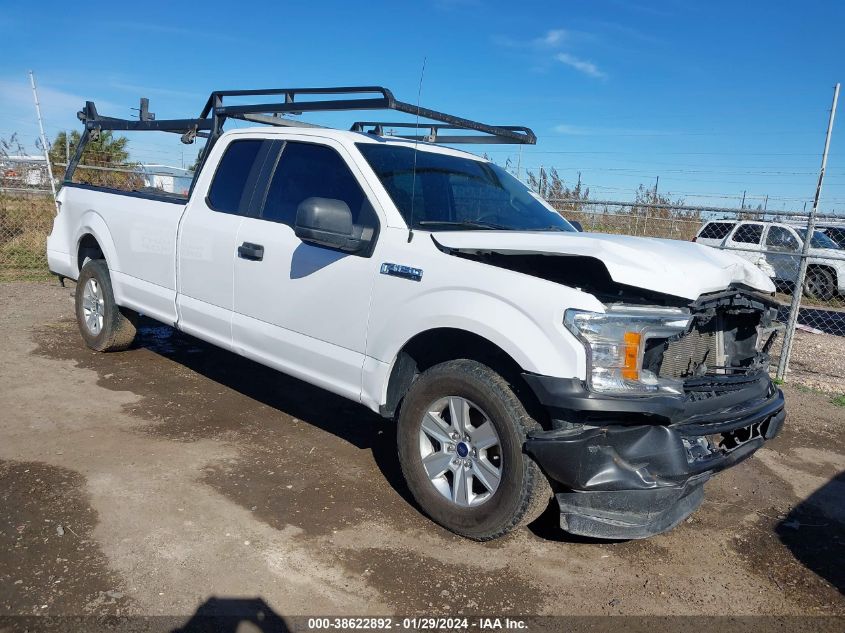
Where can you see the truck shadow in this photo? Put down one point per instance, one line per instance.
(321, 409)
(814, 531)
(230, 615)
(343, 418)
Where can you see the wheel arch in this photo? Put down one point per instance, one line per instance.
(94, 239)
(441, 344)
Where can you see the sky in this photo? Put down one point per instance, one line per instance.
(714, 98)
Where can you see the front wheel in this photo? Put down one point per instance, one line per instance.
(460, 433)
(105, 326)
(820, 284)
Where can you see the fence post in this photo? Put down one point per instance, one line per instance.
(797, 290)
(43, 139)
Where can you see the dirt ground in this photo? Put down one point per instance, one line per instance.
(149, 481)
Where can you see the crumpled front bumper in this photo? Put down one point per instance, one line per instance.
(633, 467)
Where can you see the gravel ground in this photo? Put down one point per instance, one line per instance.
(175, 478)
(817, 362)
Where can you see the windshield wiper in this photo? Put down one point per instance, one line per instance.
(472, 224)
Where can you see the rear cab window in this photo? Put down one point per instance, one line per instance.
(234, 180)
(716, 230)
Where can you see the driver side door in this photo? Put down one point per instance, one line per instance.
(299, 307)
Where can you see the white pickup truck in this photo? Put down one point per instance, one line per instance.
(522, 360)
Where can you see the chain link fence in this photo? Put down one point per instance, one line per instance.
(773, 242)
(26, 217)
(770, 240)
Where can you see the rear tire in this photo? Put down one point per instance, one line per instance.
(105, 326)
(478, 483)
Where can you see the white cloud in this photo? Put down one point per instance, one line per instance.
(552, 38)
(581, 65)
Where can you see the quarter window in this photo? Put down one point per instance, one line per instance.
(748, 234)
(229, 191)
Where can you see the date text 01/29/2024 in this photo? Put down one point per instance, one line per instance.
(418, 623)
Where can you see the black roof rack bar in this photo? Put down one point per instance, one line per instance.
(94, 121)
(269, 119)
(384, 101)
(381, 127)
(216, 97)
(210, 122)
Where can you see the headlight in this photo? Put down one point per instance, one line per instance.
(616, 340)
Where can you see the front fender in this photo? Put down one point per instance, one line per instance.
(538, 347)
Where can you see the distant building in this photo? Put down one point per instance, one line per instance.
(24, 171)
(170, 179)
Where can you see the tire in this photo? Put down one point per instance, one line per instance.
(105, 326)
(522, 491)
(820, 284)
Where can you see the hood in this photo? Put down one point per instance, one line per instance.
(672, 267)
(827, 253)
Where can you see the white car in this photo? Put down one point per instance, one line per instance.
(521, 360)
(776, 247)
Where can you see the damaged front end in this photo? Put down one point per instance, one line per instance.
(671, 397)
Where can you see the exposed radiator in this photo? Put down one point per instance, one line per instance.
(683, 356)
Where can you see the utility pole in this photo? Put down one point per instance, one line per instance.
(656, 182)
(43, 139)
(742, 205)
(789, 336)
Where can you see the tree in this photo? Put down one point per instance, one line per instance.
(107, 159)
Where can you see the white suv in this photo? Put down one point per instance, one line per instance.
(775, 248)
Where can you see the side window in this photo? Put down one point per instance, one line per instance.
(229, 192)
(308, 170)
(748, 234)
(780, 237)
(716, 230)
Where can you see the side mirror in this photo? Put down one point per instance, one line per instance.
(577, 225)
(328, 222)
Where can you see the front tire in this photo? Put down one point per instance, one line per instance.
(105, 326)
(820, 284)
(460, 434)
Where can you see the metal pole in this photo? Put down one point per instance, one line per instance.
(43, 139)
(795, 306)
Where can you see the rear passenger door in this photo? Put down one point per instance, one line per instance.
(299, 307)
(208, 238)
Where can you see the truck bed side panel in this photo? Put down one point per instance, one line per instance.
(137, 234)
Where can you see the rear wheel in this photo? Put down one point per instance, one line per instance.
(460, 433)
(105, 326)
(820, 284)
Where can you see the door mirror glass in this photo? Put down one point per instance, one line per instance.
(328, 222)
(577, 225)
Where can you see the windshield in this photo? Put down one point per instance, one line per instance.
(820, 240)
(450, 192)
